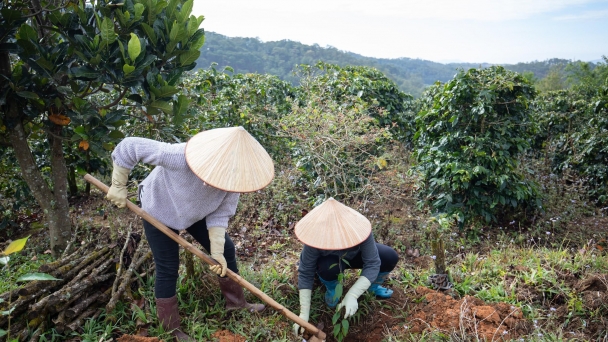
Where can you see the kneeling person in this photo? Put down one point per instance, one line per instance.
(336, 238)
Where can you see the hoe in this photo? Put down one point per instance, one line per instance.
(317, 334)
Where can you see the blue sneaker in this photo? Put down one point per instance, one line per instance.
(330, 294)
(377, 288)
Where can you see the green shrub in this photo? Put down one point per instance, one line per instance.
(573, 133)
(337, 149)
(389, 106)
(469, 134)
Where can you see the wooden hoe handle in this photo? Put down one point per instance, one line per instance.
(237, 278)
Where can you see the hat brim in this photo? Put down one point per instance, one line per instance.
(230, 159)
(333, 226)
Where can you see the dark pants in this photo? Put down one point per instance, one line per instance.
(388, 261)
(166, 255)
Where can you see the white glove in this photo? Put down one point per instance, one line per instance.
(305, 296)
(217, 237)
(349, 303)
(117, 194)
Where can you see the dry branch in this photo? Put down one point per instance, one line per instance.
(65, 273)
(67, 290)
(73, 326)
(126, 280)
(36, 336)
(20, 305)
(62, 261)
(70, 290)
(60, 322)
(81, 306)
(120, 262)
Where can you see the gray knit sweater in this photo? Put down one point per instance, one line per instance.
(310, 255)
(172, 193)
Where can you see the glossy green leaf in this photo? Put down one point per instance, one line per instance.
(28, 95)
(199, 42)
(162, 105)
(189, 57)
(46, 64)
(139, 10)
(134, 47)
(36, 276)
(116, 134)
(27, 32)
(182, 104)
(108, 36)
(84, 72)
(166, 91)
(171, 7)
(150, 33)
(127, 69)
(175, 31)
(185, 11)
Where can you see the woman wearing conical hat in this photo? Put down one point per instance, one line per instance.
(194, 186)
(336, 238)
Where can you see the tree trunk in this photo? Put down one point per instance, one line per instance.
(438, 249)
(53, 203)
(72, 181)
(61, 232)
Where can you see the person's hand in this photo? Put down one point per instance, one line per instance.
(117, 194)
(305, 297)
(217, 237)
(349, 303)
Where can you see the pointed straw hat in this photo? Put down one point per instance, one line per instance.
(229, 159)
(333, 226)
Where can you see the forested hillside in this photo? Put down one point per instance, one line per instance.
(279, 58)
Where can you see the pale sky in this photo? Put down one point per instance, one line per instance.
(475, 31)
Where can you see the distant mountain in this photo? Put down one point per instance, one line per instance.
(250, 55)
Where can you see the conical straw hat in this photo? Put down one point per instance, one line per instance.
(333, 226)
(229, 159)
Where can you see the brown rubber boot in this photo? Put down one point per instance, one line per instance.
(235, 297)
(168, 315)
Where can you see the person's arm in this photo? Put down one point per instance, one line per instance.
(133, 150)
(220, 216)
(306, 277)
(370, 258)
(371, 268)
(307, 267)
(217, 222)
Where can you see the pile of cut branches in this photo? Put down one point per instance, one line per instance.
(91, 278)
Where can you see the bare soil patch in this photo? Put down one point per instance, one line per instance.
(227, 336)
(131, 338)
(468, 316)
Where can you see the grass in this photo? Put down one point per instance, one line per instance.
(542, 281)
(537, 267)
(20, 264)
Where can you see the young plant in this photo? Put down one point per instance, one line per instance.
(15, 247)
(341, 329)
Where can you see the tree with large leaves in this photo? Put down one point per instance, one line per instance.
(73, 71)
